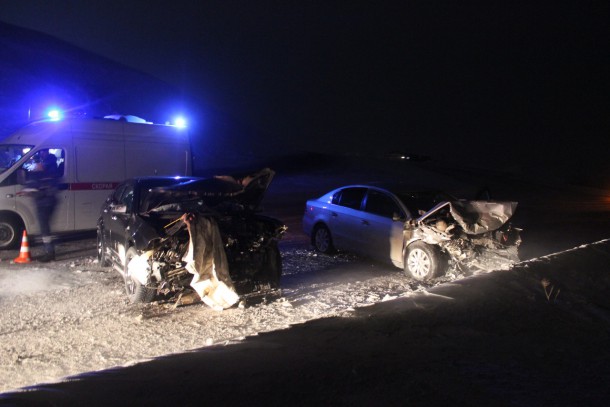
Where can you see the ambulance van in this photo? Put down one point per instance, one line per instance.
(93, 156)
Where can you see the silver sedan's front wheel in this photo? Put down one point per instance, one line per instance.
(423, 262)
(419, 263)
(322, 240)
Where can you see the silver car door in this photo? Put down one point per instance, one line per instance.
(382, 226)
(345, 216)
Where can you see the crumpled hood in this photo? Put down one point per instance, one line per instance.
(477, 217)
(246, 190)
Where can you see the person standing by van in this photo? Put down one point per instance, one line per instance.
(42, 185)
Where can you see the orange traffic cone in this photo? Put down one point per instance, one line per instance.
(24, 253)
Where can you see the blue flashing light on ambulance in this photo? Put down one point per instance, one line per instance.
(93, 155)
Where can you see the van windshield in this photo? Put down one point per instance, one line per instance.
(11, 153)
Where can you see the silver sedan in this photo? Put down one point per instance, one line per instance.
(365, 219)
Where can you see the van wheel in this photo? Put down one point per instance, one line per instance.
(136, 292)
(11, 230)
(102, 256)
(423, 262)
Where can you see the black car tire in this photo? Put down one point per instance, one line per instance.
(136, 292)
(102, 256)
(424, 262)
(272, 265)
(322, 240)
(11, 230)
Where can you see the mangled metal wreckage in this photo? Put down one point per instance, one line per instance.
(204, 235)
(465, 235)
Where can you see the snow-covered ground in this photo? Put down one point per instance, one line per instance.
(347, 329)
(71, 316)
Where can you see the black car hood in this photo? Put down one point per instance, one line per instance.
(244, 190)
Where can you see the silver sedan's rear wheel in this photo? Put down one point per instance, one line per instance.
(424, 262)
(322, 239)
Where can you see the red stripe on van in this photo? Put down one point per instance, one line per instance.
(92, 186)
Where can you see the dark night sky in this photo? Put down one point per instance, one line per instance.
(522, 82)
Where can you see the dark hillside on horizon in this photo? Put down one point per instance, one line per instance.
(37, 71)
(524, 92)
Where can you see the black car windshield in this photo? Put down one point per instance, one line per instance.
(146, 186)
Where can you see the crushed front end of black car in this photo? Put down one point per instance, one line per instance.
(206, 237)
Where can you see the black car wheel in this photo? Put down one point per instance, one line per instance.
(136, 291)
(272, 265)
(102, 256)
(322, 239)
(424, 262)
(11, 230)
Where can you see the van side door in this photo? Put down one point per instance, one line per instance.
(98, 167)
(61, 219)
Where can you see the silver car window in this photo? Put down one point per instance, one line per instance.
(382, 204)
(349, 197)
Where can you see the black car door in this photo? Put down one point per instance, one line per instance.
(118, 218)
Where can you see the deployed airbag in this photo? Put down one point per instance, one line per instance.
(207, 261)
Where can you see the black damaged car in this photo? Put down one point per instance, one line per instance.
(174, 236)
